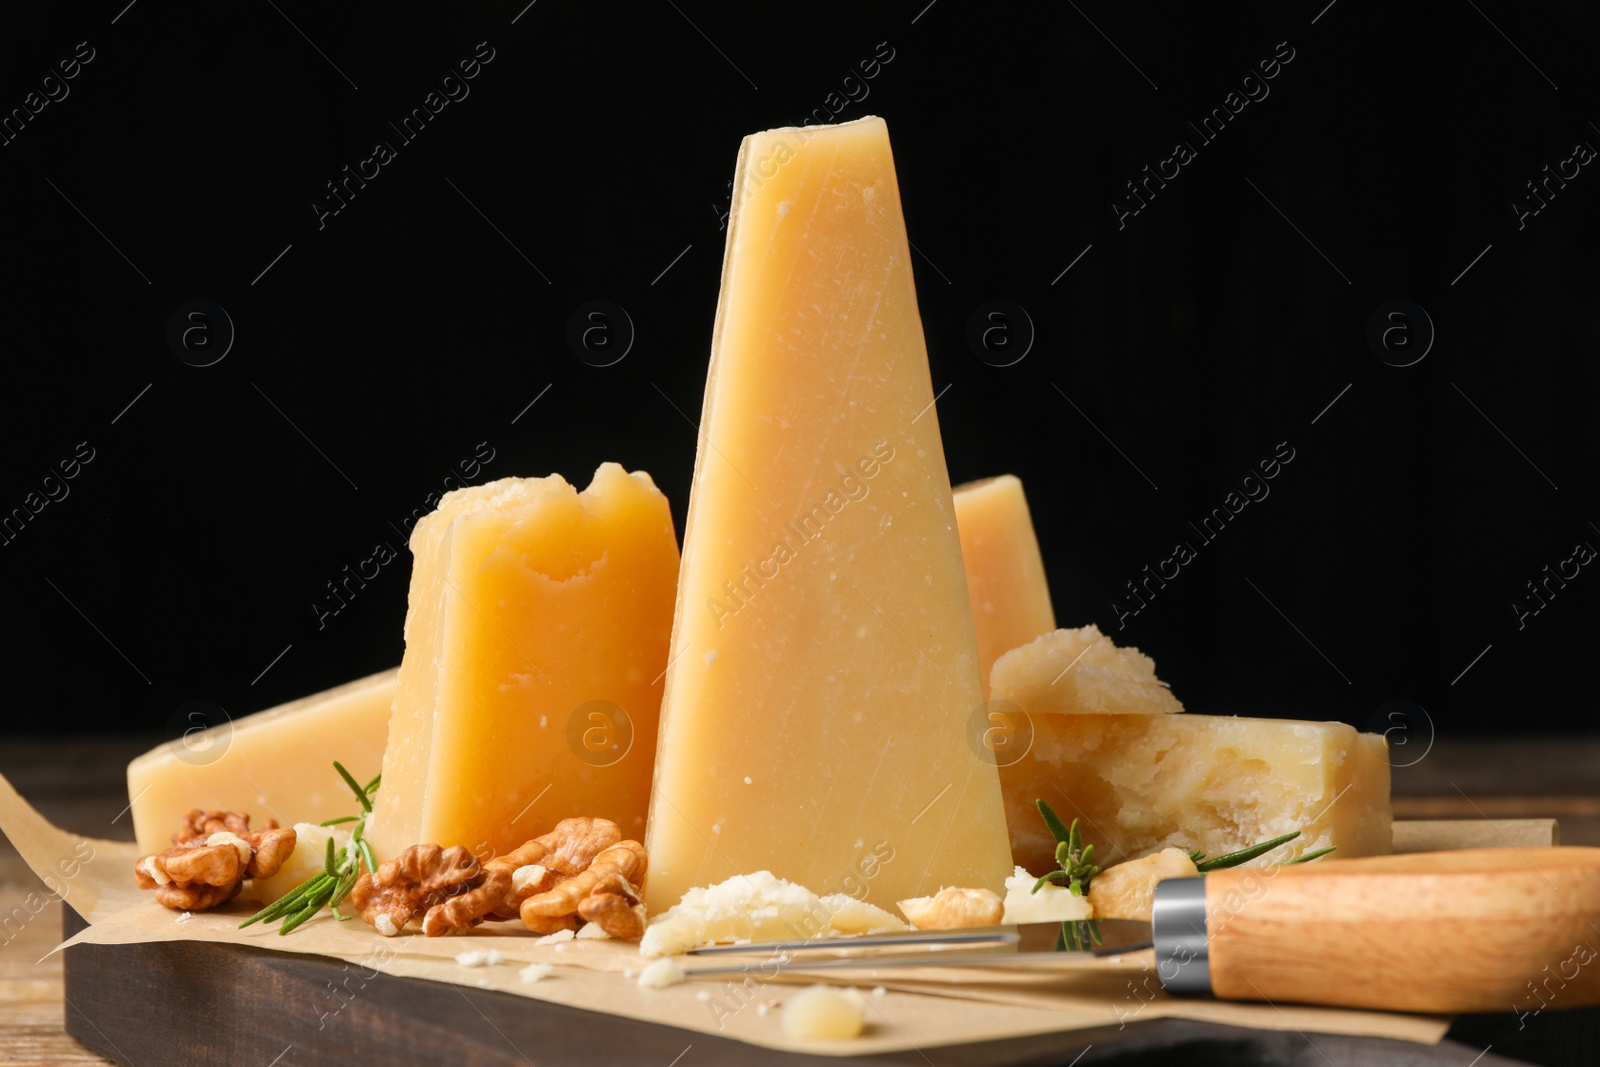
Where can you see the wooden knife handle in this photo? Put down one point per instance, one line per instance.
(1506, 929)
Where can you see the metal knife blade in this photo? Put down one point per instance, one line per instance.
(1027, 944)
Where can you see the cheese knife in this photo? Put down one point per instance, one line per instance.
(1507, 929)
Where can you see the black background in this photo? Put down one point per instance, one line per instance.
(591, 160)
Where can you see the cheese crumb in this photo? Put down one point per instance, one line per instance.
(592, 932)
(710, 657)
(533, 972)
(661, 974)
(525, 876)
(702, 996)
(747, 779)
(822, 1012)
(185, 917)
(879, 991)
(555, 938)
(479, 958)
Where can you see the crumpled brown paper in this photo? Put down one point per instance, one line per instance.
(919, 1008)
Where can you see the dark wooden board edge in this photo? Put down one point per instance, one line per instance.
(196, 1003)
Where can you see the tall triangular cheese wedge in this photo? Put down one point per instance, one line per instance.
(823, 676)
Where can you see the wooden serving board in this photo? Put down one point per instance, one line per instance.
(197, 1003)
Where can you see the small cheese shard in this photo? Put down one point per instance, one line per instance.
(954, 907)
(1216, 783)
(275, 764)
(1128, 890)
(823, 1013)
(537, 614)
(1005, 572)
(1052, 903)
(1080, 672)
(661, 974)
(823, 647)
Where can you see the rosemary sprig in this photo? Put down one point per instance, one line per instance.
(1245, 855)
(340, 868)
(1307, 857)
(1071, 853)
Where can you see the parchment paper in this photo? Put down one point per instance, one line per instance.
(919, 1008)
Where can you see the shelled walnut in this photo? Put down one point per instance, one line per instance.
(582, 871)
(214, 852)
(447, 888)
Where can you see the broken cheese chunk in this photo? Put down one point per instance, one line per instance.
(535, 643)
(759, 907)
(1052, 903)
(274, 764)
(1005, 572)
(824, 669)
(1080, 672)
(1128, 890)
(1216, 783)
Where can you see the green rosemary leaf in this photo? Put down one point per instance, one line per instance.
(340, 821)
(1244, 855)
(1057, 829)
(327, 861)
(1197, 855)
(1053, 876)
(286, 902)
(372, 786)
(355, 787)
(366, 854)
(1307, 857)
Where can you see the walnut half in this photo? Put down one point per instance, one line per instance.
(213, 854)
(447, 888)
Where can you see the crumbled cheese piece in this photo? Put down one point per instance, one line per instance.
(533, 972)
(1052, 903)
(592, 932)
(479, 958)
(759, 907)
(823, 1012)
(879, 991)
(555, 938)
(702, 996)
(225, 837)
(661, 974)
(185, 917)
(523, 877)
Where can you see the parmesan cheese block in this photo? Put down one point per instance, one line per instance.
(275, 764)
(1080, 672)
(535, 644)
(1140, 783)
(824, 669)
(1005, 573)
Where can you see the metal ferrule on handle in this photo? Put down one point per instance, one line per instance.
(1178, 926)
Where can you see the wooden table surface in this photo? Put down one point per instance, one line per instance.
(79, 785)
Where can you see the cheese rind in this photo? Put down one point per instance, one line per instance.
(537, 613)
(1140, 783)
(275, 764)
(1005, 572)
(824, 668)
